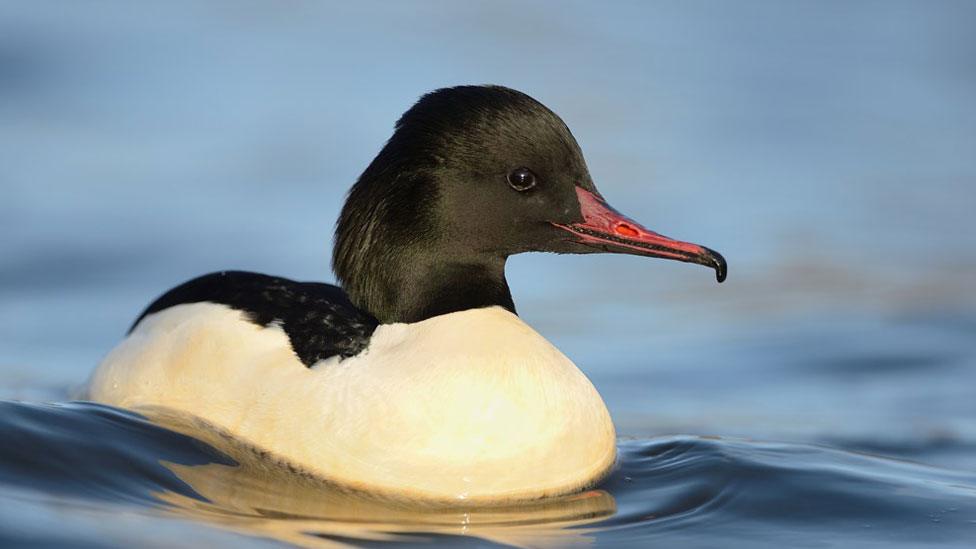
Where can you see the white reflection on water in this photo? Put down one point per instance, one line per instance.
(259, 495)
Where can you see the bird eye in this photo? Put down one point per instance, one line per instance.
(521, 179)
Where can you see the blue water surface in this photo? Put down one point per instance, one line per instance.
(823, 396)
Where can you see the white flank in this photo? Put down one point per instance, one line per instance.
(472, 406)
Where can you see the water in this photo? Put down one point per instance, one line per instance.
(821, 397)
(685, 489)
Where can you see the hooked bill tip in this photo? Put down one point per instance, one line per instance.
(719, 264)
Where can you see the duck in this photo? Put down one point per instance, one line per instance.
(414, 377)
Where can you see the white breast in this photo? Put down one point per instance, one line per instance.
(473, 405)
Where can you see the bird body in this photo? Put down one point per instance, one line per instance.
(416, 378)
(469, 406)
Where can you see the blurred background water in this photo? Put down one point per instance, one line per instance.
(827, 149)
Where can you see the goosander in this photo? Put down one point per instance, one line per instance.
(415, 377)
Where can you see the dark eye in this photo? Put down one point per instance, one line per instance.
(521, 179)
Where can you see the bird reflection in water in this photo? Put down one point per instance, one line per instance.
(261, 495)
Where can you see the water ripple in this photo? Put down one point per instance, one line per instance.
(87, 459)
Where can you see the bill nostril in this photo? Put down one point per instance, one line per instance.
(624, 229)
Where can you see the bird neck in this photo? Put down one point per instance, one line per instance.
(420, 289)
(447, 287)
(392, 274)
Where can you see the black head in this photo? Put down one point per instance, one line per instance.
(472, 175)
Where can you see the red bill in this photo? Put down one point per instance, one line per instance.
(607, 229)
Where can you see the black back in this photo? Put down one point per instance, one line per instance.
(319, 319)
